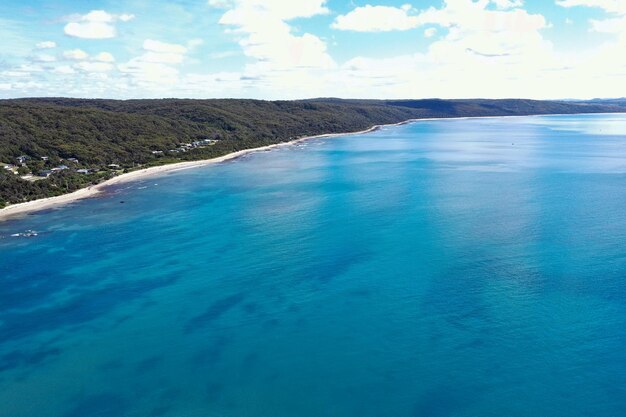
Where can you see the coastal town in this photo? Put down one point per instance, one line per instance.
(32, 168)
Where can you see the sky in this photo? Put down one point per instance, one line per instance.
(290, 49)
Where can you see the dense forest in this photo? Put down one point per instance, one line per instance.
(53, 146)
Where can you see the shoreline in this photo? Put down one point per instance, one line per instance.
(15, 211)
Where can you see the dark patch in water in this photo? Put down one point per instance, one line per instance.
(211, 354)
(111, 365)
(360, 293)
(473, 344)
(214, 390)
(169, 395)
(443, 401)
(42, 212)
(78, 310)
(250, 308)
(20, 358)
(333, 266)
(214, 312)
(160, 411)
(271, 323)
(249, 361)
(148, 365)
(123, 319)
(101, 405)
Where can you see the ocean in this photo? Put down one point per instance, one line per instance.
(441, 268)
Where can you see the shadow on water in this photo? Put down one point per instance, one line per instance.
(445, 401)
(27, 359)
(100, 405)
(214, 312)
(89, 305)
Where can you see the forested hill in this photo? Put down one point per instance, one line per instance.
(55, 145)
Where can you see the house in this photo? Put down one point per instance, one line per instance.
(10, 167)
(157, 152)
(46, 173)
(83, 171)
(114, 166)
(60, 168)
(74, 160)
(44, 158)
(22, 159)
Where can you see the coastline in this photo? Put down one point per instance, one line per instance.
(21, 209)
(15, 211)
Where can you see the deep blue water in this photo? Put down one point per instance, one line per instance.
(469, 268)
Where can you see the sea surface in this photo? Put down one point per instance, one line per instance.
(466, 268)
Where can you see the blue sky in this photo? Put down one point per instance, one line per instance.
(285, 49)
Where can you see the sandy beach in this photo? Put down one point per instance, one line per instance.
(21, 209)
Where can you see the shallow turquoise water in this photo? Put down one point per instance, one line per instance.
(443, 268)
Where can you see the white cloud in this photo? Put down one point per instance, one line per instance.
(163, 58)
(224, 54)
(491, 48)
(430, 32)
(281, 9)
(220, 4)
(611, 6)
(162, 47)
(94, 66)
(267, 37)
(377, 19)
(456, 12)
(615, 25)
(508, 4)
(90, 30)
(64, 69)
(149, 74)
(75, 54)
(96, 24)
(104, 57)
(194, 43)
(43, 58)
(46, 45)
(156, 67)
(485, 52)
(102, 62)
(161, 52)
(13, 74)
(284, 62)
(468, 15)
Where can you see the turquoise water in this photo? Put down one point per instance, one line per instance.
(443, 268)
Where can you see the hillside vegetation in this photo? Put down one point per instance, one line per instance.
(66, 144)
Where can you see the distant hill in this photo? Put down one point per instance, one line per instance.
(610, 101)
(70, 143)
